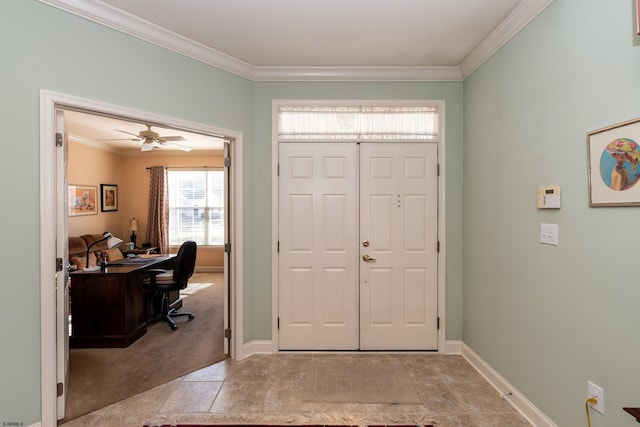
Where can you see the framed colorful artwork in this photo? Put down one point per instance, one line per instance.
(109, 197)
(82, 200)
(613, 154)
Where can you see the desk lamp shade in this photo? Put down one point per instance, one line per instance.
(112, 242)
(133, 226)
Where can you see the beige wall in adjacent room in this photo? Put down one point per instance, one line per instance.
(92, 166)
(89, 166)
(135, 199)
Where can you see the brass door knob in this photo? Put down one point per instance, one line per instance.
(368, 258)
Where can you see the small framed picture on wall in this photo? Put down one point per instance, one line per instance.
(613, 169)
(82, 200)
(109, 197)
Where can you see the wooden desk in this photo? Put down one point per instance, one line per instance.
(107, 307)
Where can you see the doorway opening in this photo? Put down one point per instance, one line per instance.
(53, 179)
(359, 225)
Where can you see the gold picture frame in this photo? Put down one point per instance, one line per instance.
(82, 200)
(613, 155)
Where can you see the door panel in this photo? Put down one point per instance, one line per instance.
(62, 277)
(318, 226)
(334, 197)
(398, 217)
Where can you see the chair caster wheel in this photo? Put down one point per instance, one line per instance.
(191, 317)
(174, 327)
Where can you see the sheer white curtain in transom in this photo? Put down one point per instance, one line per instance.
(357, 123)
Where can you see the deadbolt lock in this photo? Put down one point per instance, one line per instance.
(365, 243)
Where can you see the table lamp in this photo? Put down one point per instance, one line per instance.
(112, 242)
(133, 226)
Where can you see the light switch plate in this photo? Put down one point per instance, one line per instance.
(549, 234)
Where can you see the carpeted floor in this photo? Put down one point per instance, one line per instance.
(100, 377)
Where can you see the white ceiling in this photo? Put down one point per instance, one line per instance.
(330, 32)
(322, 39)
(276, 40)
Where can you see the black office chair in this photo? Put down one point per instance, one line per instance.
(159, 282)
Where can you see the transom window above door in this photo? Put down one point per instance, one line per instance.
(357, 123)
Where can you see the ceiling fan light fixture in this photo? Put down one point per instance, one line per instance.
(148, 134)
(150, 137)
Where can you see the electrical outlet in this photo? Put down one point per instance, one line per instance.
(597, 393)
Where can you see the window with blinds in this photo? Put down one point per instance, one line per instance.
(357, 123)
(196, 206)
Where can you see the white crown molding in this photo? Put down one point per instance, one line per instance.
(92, 143)
(357, 74)
(509, 27)
(111, 17)
(104, 14)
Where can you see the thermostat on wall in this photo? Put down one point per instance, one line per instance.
(548, 198)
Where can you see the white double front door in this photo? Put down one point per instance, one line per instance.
(357, 246)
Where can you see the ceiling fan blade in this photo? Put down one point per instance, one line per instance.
(129, 133)
(172, 138)
(174, 145)
(119, 139)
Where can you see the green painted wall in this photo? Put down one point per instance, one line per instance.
(45, 48)
(550, 318)
(265, 93)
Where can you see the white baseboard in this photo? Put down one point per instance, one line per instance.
(453, 347)
(209, 270)
(256, 347)
(266, 347)
(516, 399)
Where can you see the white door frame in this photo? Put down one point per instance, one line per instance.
(49, 101)
(440, 104)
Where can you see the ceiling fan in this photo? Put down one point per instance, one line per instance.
(150, 137)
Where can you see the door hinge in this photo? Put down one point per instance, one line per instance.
(438, 323)
(227, 333)
(59, 139)
(438, 169)
(438, 246)
(278, 169)
(59, 389)
(58, 264)
(278, 246)
(227, 248)
(278, 327)
(227, 162)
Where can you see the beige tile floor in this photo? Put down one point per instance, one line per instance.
(267, 389)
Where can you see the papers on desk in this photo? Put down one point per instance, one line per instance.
(128, 261)
(138, 259)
